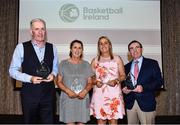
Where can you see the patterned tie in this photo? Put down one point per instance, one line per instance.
(136, 70)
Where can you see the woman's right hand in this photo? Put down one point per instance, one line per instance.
(71, 94)
(99, 84)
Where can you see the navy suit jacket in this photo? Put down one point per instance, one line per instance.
(151, 80)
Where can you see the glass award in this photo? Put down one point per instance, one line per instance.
(76, 86)
(43, 70)
(128, 82)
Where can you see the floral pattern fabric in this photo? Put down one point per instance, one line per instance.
(107, 102)
(106, 71)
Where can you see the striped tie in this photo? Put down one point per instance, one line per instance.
(136, 70)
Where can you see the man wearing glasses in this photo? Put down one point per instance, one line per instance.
(145, 78)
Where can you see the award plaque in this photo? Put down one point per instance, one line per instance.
(128, 82)
(43, 70)
(76, 86)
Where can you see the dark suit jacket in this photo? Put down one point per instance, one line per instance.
(151, 79)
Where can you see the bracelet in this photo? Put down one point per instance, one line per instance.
(117, 81)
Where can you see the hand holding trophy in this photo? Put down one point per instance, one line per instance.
(43, 71)
(128, 81)
(76, 86)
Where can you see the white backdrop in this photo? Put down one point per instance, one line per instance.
(121, 20)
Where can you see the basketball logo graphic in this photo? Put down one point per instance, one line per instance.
(69, 13)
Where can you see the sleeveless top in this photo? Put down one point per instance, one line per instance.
(107, 102)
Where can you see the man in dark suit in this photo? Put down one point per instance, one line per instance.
(146, 78)
(35, 63)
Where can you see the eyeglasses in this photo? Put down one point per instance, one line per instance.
(134, 48)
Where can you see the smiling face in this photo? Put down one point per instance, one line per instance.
(76, 50)
(135, 49)
(104, 46)
(38, 31)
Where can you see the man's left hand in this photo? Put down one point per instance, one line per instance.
(49, 78)
(138, 89)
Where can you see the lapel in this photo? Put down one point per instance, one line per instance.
(142, 70)
(128, 68)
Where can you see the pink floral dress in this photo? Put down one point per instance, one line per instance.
(107, 102)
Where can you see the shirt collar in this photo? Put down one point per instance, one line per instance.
(139, 59)
(35, 44)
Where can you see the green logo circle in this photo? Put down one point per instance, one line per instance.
(69, 13)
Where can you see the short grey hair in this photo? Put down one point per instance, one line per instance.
(37, 20)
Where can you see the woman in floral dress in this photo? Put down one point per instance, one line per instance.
(107, 100)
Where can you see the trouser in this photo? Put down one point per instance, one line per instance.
(136, 115)
(38, 103)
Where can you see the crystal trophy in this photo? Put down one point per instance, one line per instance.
(43, 70)
(128, 81)
(76, 86)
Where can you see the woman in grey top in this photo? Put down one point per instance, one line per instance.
(74, 79)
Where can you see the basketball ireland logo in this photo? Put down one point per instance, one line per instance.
(69, 13)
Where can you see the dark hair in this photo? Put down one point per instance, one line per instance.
(134, 41)
(110, 49)
(71, 45)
